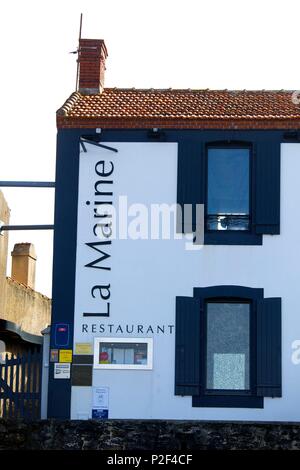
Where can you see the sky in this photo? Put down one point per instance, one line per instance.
(214, 44)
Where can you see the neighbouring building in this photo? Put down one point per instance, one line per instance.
(24, 313)
(194, 323)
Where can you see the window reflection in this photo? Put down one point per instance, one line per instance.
(228, 184)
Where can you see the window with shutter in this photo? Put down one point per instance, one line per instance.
(228, 347)
(238, 183)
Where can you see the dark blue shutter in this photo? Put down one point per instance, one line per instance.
(267, 188)
(187, 353)
(269, 347)
(190, 179)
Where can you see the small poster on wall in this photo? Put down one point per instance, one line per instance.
(100, 397)
(100, 402)
(65, 355)
(62, 371)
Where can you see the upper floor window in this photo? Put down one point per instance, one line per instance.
(228, 188)
(237, 180)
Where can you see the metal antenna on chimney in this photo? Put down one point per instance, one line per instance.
(78, 52)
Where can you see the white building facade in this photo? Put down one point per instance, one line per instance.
(150, 321)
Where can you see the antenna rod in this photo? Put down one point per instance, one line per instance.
(77, 71)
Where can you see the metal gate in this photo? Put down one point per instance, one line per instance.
(20, 386)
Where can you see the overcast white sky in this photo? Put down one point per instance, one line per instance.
(233, 44)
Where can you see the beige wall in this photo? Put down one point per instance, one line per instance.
(26, 307)
(4, 217)
(18, 303)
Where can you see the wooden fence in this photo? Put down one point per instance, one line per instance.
(20, 386)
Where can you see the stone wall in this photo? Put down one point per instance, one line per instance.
(26, 307)
(147, 435)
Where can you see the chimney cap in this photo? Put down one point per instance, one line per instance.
(24, 249)
(90, 44)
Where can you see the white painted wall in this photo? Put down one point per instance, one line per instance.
(147, 275)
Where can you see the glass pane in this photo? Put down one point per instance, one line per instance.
(228, 346)
(228, 181)
(123, 353)
(228, 222)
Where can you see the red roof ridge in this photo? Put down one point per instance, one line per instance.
(195, 90)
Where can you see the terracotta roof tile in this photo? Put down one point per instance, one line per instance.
(169, 104)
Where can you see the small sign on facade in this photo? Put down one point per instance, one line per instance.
(62, 371)
(98, 413)
(62, 334)
(54, 355)
(65, 355)
(83, 348)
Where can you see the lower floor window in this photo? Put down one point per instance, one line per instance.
(227, 346)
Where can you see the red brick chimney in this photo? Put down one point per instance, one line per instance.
(91, 57)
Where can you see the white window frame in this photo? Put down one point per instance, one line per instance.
(148, 341)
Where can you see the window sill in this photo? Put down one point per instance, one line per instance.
(232, 238)
(223, 401)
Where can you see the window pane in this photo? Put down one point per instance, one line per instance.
(123, 353)
(228, 346)
(228, 189)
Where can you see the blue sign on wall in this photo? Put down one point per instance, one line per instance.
(99, 413)
(62, 334)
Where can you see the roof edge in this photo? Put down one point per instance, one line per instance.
(6, 325)
(27, 288)
(67, 122)
(73, 98)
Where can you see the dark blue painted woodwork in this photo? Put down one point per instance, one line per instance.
(267, 188)
(65, 234)
(187, 352)
(269, 347)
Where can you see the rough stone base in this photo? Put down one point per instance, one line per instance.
(146, 435)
